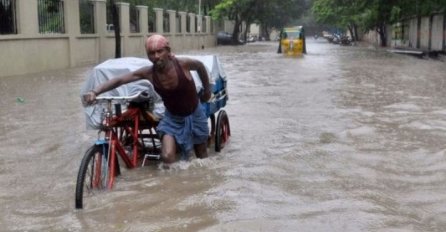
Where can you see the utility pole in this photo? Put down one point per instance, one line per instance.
(418, 42)
(117, 29)
(199, 23)
(199, 16)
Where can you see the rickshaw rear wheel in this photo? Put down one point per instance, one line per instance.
(223, 131)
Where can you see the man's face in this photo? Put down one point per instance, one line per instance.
(158, 57)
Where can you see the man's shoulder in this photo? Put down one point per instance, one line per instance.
(144, 72)
(184, 62)
(184, 59)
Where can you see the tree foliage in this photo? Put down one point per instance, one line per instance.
(277, 14)
(268, 13)
(237, 10)
(372, 14)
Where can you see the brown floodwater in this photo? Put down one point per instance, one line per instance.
(342, 139)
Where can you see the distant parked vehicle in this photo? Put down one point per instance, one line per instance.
(224, 38)
(251, 38)
(345, 40)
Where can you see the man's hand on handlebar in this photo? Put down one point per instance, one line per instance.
(205, 95)
(89, 98)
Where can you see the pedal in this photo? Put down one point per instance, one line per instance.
(150, 156)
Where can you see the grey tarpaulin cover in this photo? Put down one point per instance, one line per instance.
(116, 67)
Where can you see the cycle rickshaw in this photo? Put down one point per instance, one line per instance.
(126, 120)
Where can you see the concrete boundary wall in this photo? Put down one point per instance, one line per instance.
(424, 33)
(438, 33)
(28, 51)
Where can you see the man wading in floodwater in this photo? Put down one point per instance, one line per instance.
(185, 122)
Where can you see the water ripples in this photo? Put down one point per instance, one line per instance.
(342, 139)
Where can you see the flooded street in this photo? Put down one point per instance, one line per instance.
(343, 139)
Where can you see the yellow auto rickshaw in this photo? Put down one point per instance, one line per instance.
(292, 41)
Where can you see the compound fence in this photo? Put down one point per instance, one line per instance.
(86, 15)
(51, 16)
(8, 22)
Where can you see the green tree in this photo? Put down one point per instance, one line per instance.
(379, 14)
(268, 13)
(232, 10)
(278, 14)
(340, 13)
(373, 14)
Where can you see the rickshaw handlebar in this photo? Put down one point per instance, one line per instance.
(140, 96)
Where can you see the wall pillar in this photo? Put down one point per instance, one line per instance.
(143, 19)
(124, 17)
(159, 20)
(100, 16)
(183, 21)
(172, 21)
(192, 23)
(208, 24)
(27, 17)
(71, 12)
(200, 23)
(100, 27)
(72, 27)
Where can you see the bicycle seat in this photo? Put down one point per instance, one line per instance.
(143, 96)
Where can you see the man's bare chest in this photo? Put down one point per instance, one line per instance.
(171, 79)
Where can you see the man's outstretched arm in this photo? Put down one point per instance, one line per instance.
(204, 77)
(90, 96)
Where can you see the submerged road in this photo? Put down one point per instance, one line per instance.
(343, 139)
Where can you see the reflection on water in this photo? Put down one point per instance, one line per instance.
(342, 139)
